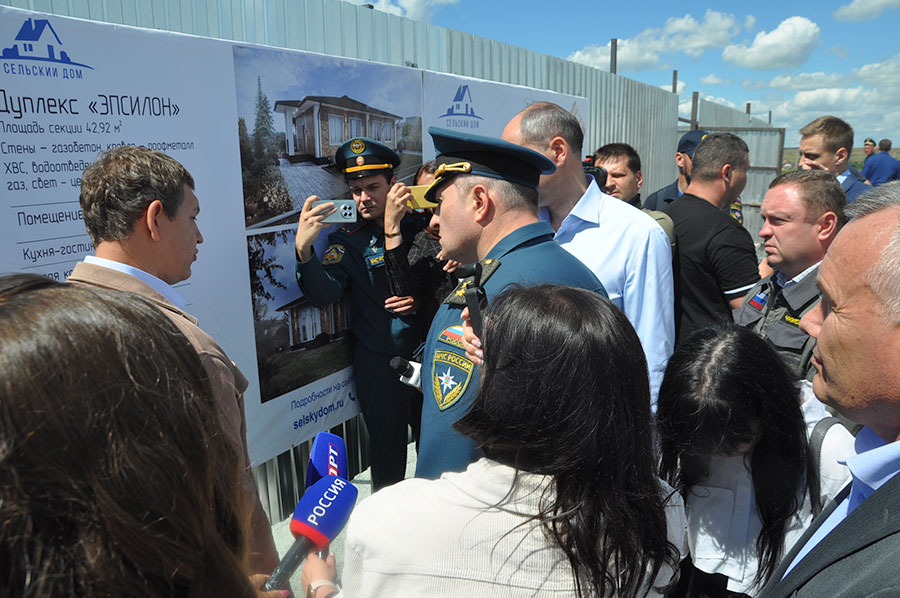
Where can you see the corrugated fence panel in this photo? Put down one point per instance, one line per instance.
(621, 110)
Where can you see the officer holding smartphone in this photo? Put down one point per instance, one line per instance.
(384, 326)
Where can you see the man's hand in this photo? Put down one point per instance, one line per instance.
(400, 305)
(471, 342)
(396, 207)
(450, 265)
(310, 225)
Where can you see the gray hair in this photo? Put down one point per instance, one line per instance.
(884, 277)
(542, 121)
(514, 196)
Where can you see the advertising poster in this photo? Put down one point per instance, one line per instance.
(483, 107)
(257, 128)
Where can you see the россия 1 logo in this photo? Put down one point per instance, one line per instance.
(38, 42)
(461, 112)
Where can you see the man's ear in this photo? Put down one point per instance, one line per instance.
(726, 173)
(827, 226)
(559, 150)
(482, 204)
(679, 159)
(841, 155)
(639, 179)
(151, 219)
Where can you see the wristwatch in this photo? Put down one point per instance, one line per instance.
(315, 585)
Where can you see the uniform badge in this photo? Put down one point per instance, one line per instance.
(452, 336)
(792, 320)
(333, 255)
(357, 146)
(360, 160)
(450, 375)
(759, 300)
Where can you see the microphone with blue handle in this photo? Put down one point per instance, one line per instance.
(320, 515)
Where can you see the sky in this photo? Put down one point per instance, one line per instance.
(798, 59)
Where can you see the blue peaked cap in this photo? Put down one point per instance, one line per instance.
(465, 153)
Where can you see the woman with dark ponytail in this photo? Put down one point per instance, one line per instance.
(566, 500)
(733, 428)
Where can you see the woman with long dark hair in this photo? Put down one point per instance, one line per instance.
(733, 428)
(566, 500)
(111, 477)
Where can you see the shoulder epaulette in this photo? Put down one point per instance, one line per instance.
(458, 295)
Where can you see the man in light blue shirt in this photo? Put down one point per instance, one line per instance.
(851, 548)
(625, 248)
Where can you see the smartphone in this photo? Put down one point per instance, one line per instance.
(344, 213)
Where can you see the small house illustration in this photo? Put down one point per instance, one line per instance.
(310, 326)
(462, 104)
(37, 41)
(316, 126)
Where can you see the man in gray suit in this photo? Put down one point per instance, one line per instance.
(852, 547)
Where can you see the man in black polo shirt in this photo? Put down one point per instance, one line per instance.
(715, 262)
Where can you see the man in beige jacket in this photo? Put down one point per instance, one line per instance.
(140, 211)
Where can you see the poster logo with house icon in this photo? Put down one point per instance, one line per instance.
(37, 40)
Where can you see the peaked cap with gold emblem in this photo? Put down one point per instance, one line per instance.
(361, 157)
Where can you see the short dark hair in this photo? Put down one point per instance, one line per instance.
(542, 121)
(614, 151)
(428, 167)
(711, 395)
(717, 150)
(113, 480)
(836, 134)
(118, 187)
(819, 191)
(590, 432)
(884, 145)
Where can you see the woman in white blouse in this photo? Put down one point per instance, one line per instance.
(566, 501)
(733, 428)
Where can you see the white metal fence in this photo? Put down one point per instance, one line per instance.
(621, 110)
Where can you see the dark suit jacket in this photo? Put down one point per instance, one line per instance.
(860, 557)
(853, 187)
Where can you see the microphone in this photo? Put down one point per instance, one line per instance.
(410, 371)
(320, 515)
(328, 456)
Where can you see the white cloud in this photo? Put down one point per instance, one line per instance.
(749, 22)
(418, 10)
(679, 87)
(864, 10)
(884, 75)
(678, 35)
(713, 79)
(788, 45)
(804, 81)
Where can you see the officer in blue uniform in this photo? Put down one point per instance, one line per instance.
(354, 263)
(487, 191)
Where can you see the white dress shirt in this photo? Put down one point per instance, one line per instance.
(158, 285)
(631, 255)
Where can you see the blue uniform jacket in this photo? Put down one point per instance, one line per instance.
(450, 381)
(354, 261)
(881, 168)
(853, 187)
